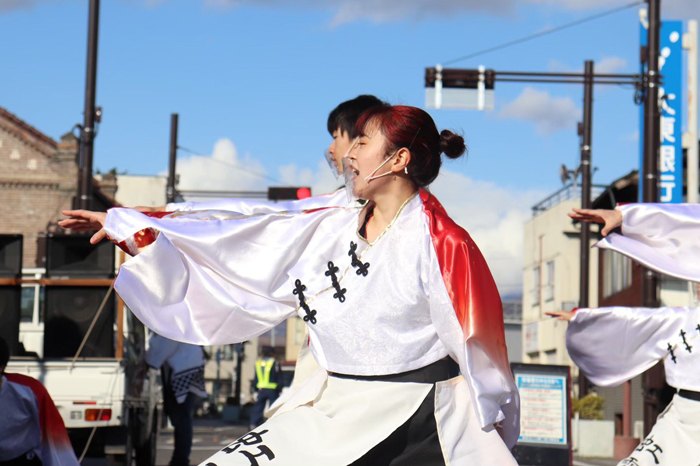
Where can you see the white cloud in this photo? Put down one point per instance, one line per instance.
(550, 114)
(556, 66)
(495, 217)
(610, 65)
(222, 170)
(321, 180)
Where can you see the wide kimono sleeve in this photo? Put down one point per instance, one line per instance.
(614, 344)
(662, 237)
(466, 309)
(214, 278)
(260, 206)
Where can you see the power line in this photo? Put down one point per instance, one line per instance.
(544, 33)
(238, 167)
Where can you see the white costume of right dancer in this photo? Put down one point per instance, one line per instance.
(613, 345)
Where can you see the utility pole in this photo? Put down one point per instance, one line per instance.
(172, 159)
(586, 136)
(87, 135)
(652, 380)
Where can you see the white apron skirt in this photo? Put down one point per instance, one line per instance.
(334, 421)
(674, 440)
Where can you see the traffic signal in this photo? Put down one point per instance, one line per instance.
(287, 193)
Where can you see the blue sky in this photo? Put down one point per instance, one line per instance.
(266, 77)
(263, 75)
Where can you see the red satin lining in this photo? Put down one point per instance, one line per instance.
(468, 280)
(142, 238)
(156, 214)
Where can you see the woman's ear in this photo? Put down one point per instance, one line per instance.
(401, 161)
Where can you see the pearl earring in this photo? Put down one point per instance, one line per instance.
(405, 170)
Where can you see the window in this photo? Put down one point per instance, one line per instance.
(27, 303)
(536, 286)
(548, 289)
(617, 273)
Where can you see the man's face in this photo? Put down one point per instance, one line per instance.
(339, 147)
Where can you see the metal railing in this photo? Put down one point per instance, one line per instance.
(567, 193)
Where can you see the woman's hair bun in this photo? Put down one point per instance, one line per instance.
(451, 144)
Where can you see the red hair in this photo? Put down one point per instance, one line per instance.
(414, 129)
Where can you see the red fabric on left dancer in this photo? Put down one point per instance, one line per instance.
(56, 449)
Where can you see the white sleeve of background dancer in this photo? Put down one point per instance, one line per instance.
(663, 237)
(219, 280)
(262, 206)
(614, 344)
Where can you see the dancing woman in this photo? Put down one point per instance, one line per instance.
(397, 299)
(612, 345)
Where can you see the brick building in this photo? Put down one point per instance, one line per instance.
(38, 179)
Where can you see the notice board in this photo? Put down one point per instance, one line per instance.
(545, 415)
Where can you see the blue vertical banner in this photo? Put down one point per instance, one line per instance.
(670, 94)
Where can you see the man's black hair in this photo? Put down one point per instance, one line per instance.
(345, 115)
(4, 352)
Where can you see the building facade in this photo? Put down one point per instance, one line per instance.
(551, 278)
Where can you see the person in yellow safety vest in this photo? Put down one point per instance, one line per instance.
(267, 382)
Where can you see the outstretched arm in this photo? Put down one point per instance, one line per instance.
(219, 277)
(662, 237)
(561, 315)
(85, 220)
(610, 218)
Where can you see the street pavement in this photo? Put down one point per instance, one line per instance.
(210, 436)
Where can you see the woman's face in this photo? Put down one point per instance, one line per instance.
(369, 154)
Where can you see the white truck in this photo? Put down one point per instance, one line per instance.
(110, 406)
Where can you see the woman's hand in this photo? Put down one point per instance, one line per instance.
(85, 220)
(561, 315)
(611, 218)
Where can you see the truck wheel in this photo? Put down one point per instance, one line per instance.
(146, 453)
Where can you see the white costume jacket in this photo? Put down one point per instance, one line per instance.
(613, 345)
(421, 291)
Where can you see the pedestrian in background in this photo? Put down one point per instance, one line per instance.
(267, 383)
(182, 366)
